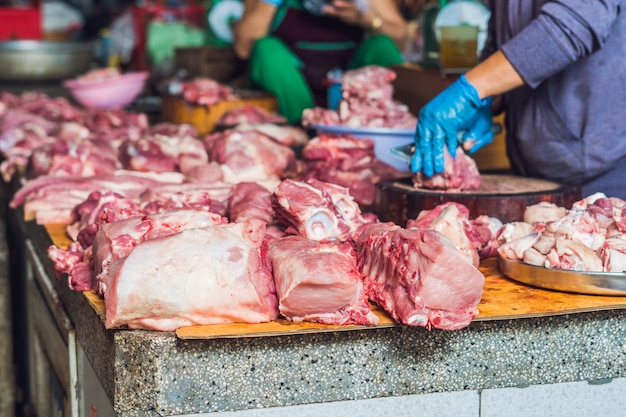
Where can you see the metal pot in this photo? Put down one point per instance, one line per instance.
(44, 60)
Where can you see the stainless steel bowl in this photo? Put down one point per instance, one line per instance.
(44, 60)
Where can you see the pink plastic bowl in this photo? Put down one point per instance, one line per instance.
(109, 93)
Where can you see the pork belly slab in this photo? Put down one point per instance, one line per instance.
(418, 276)
(319, 282)
(117, 240)
(198, 276)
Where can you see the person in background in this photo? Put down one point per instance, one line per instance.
(291, 45)
(560, 67)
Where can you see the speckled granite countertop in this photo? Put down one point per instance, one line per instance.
(151, 373)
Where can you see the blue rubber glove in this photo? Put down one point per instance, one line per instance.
(439, 123)
(479, 132)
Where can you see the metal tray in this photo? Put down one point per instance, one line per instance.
(581, 282)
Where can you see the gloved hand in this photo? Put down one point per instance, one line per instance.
(439, 122)
(479, 131)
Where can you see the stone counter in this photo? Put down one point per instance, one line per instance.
(157, 374)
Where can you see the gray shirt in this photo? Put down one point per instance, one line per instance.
(569, 122)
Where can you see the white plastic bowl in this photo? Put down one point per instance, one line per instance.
(384, 139)
(109, 93)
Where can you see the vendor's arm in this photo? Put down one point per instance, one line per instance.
(254, 24)
(563, 32)
(381, 17)
(494, 76)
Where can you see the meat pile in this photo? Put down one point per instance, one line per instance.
(367, 101)
(159, 207)
(347, 161)
(317, 264)
(591, 236)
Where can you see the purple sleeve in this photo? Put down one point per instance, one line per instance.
(563, 32)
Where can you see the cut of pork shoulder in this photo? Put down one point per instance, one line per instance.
(418, 276)
(317, 210)
(250, 156)
(250, 200)
(451, 219)
(51, 199)
(116, 240)
(160, 153)
(195, 277)
(346, 161)
(459, 174)
(81, 158)
(319, 282)
(343, 152)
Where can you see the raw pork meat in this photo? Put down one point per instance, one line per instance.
(319, 282)
(51, 199)
(81, 158)
(116, 240)
(367, 101)
(459, 174)
(475, 238)
(249, 114)
(418, 276)
(205, 92)
(588, 237)
(195, 277)
(161, 153)
(250, 156)
(318, 210)
(250, 200)
(346, 161)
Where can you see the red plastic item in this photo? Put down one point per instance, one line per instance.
(21, 23)
(145, 12)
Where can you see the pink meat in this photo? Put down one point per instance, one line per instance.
(614, 255)
(418, 276)
(250, 200)
(249, 114)
(346, 161)
(116, 240)
(319, 282)
(459, 174)
(205, 92)
(343, 152)
(195, 277)
(161, 153)
(452, 220)
(80, 158)
(317, 210)
(250, 156)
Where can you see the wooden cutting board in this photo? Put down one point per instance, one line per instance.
(502, 196)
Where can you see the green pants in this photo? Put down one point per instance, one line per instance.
(276, 69)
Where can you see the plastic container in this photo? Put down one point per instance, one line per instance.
(384, 139)
(109, 93)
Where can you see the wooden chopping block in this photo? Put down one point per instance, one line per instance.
(503, 196)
